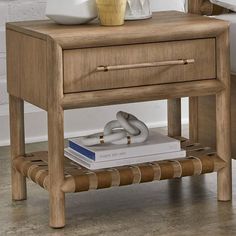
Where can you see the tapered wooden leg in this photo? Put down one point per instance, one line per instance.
(56, 167)
(193, 119)
(55, 134)
(223, 128)
(17, 146)
(174, 117)
(224, 145)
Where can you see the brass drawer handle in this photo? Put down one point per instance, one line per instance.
(145, 65)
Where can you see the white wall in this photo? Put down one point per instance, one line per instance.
(78, 122)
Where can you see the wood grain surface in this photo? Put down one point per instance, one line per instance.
(141, 94)
(17, 134)
(163, 26)
(52, 66)
(80, 65)
(55, 135)
(26, 68)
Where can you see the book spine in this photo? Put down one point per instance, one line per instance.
(137, 160)
(82, 150)
(138, 151)
(128, 152)
(121, 162)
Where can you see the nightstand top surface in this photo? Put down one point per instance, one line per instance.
(163, 26)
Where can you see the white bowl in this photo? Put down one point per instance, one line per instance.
(71, 12)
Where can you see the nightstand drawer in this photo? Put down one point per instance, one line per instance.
(137, 65)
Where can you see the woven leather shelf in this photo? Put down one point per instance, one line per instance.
(200, 160)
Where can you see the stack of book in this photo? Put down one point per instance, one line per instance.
(157, 147)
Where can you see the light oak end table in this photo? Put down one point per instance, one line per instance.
(56, 67)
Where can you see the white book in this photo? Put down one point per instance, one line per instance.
(93, 165)
(157, 143)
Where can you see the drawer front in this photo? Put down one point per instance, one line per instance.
(138, 65)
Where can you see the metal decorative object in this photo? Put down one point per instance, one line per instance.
(138, 9)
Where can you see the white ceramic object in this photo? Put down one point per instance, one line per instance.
(168, 5)
(126, 129)
(71, 12)
(138, 9)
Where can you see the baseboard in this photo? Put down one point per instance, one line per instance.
(92, 120)
(2, 64)
(43, 138)
(3, 91)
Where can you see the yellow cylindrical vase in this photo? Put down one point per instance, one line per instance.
(111, 12)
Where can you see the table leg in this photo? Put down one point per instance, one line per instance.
(55, 134)
(193, 119)
(223, 129)
(56, 167)
(224, 145)
(16, 106)
(174, 117)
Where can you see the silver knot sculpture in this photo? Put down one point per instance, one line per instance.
(126, 129)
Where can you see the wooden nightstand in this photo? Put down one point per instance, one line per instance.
(56, 67)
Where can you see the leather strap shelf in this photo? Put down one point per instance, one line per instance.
(200, 160)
